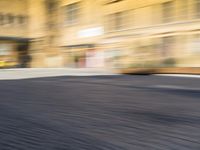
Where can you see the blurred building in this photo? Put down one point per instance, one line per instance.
(99, 33)
(13, 31)
(133, 33)
(154, 32)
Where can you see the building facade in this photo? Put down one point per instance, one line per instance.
(13, 31)
(103, 33)
(133, 33)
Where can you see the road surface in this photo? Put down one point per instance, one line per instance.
(100, 113)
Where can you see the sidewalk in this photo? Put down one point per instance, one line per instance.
(25, 73)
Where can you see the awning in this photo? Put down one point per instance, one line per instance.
(16, 39)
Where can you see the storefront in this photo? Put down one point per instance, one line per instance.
(14, 52)
(76, 55)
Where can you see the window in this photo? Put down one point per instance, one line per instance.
(1, 19)
(168, 8)
(183, 9)
(50, 6)
(197, 9)
(72, 13)
(10, 19)
(21, 19)
(117, 21)
(6, 19)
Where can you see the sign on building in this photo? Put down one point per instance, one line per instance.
(5, 49)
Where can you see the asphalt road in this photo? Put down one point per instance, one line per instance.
(100, 113)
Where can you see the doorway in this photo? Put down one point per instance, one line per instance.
(24, 57)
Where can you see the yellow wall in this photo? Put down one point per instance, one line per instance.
(16, 8)
(144, 25)
(37, 18)
(90, 17)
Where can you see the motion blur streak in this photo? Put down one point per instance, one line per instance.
(100, 113)
(66, 74)
(100, 33)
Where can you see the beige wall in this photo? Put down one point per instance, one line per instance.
(144, 21)
(15, 8)
(37, 18)
(90, 17)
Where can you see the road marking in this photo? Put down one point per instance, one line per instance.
(179, 75)
(174, 87)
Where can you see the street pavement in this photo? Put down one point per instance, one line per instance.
(100, 113)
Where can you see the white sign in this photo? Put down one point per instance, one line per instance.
(91, 32)
(5, 49)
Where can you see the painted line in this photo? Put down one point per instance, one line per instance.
(174, 87)
(179, 75)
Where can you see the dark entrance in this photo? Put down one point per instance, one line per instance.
(23, 54)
